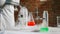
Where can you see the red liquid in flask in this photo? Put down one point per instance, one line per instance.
(31, 23)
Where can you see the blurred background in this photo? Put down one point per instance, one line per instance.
(52, 6)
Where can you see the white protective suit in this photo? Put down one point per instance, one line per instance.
(7, 17)
(2, 2)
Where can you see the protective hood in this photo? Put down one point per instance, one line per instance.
(2, 2)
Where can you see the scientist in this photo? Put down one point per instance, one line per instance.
(7, 17)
